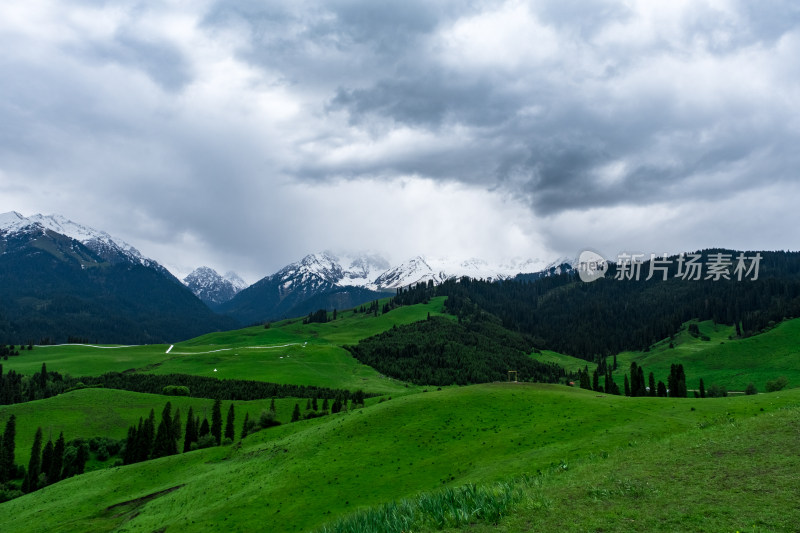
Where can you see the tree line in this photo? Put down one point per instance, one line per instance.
(17, 388)
(441, 351)
(592, 320)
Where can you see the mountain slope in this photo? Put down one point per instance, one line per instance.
(212, 288)
(54, 287)
(336, 281)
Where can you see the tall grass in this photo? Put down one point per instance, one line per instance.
(447, 508)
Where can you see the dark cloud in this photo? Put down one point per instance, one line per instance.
(215, 128)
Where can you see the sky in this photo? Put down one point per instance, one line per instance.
(245, 134)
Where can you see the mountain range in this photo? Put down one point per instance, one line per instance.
(330, 281)
(62, 279)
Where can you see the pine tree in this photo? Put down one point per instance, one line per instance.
(652, 383)
(634, 379)
(272, 405)
(216, 421)
(47, 460)
(702, 389)
(204, 429)
(43, 378)
(31, 481)
(296, 413)
(230, 432)
(308, 404)
(662, 389)
(164, 442)
(244, 426)
(325, 404)
(191, 432)
(596, 381)
(627, 386)
(314, 404)
(7, 468)
(146, 437)
(130, 455)
(681, 382)
(176, 429)
(54, 475)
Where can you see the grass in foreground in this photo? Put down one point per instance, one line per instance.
(738, 475)
(298, 476)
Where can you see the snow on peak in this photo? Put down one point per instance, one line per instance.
(235, 280)
(212, 288)
(98, 241)
(12, 221)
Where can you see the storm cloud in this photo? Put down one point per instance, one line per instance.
(243, 134)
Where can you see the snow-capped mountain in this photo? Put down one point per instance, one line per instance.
(421, 270)
(212, 288)
(62, 279)
(110, 249)
(335, 280)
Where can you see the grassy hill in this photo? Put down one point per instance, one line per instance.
(90, 413)
(288, 352)
(298, 476)
(732, 363)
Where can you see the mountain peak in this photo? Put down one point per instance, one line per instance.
(213, 289)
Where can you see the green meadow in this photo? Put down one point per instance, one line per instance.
(288, 352)
(90, 413)
(299, 476)
(722, 360)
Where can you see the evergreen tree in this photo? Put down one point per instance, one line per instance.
(308, 404)
(702, 389)
(596, 381)
(244, 426)
(230, 432)
(54, 475)
(130, 455)
(31, 481)
(165, 440)
(634, 379)
(652, 383)
(7, 467)
(358, 397)
(584, 379)
(47, 460)
(272, 405)
(146, 437)
(627, 386)
(296, 413)
(314, 404)
(43, 378)
(336, 406)
(176, 428)
(216, 421)
(191, 431)
(662, 389)
(681, 382)
(325, 404)
(641, 382)
(204, 429)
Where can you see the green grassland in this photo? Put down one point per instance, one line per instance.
(288, 352)
(297, 476)
(568, 362)
(734, 475)
(90, 413)
(732, 363)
